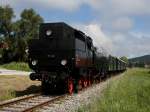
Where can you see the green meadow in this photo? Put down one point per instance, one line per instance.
(130, 93)
(16, 66)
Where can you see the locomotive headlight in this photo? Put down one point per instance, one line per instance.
(34, 62)
(63, 62)
(48, 32)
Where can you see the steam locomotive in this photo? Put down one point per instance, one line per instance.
(65, 60)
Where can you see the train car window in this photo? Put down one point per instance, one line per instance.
(81, 54)
(80, 45)
(89, 51)
(89, 43)
(80, 40)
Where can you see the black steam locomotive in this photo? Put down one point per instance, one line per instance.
(65, 60)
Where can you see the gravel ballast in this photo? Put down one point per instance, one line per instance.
(83, 98)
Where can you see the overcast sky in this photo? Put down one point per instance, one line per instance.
(122, 27)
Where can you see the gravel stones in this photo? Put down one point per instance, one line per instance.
(74, 102)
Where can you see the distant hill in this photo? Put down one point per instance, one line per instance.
(140, 61)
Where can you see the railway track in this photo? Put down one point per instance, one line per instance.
(29, 103)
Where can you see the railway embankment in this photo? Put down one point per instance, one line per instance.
(70, 103)
(82, 99)
(129, 93)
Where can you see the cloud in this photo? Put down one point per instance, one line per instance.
(69, 5)
(114, 21)
(121, 7)
(109, 8)
(130, 44)
(140, 35)
(112, 7)
(138, 7)
(96, 4)
(100, 39)
(122, 24)
(118, 19)
(117, 43)
(118, 38)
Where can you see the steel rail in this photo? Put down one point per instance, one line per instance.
(18, 100)
(9, 106)
(44, 103)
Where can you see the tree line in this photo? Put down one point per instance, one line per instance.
(16, 33)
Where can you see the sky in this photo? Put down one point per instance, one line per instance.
(120, 27)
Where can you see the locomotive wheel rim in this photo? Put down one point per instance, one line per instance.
(85, 83)
(80, 84)
(70, 86)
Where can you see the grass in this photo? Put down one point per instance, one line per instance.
(130, 93)
(16, 66)
(14, 86)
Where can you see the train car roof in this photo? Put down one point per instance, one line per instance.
(59, 23)
(66, 25)
(117, 58)
(121, 60)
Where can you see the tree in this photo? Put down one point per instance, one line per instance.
(6, 30)
(6, 16)
(25, 29)
(29, 24)
(16, 34)
(6, 25)
(20, 54)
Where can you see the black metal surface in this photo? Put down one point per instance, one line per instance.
(67, 43)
